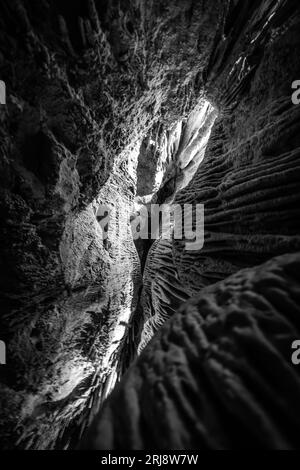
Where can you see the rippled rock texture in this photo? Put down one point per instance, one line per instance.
(85, 84)
(125, 102)
(249, 178)
(217, 375)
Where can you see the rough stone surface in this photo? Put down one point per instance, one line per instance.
(93, 91)
(218, 374)
(84, 86)
(249, 178)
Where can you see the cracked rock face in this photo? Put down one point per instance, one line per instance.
(123, 103)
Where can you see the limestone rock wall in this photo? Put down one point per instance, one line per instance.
(248, 180)
(218, 374)
(86, 85)
(86, 81)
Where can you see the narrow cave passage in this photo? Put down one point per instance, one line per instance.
(118, 341)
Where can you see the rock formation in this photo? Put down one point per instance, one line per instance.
(119, 103)
(218, 374)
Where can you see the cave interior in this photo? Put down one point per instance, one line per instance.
(121, 342)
